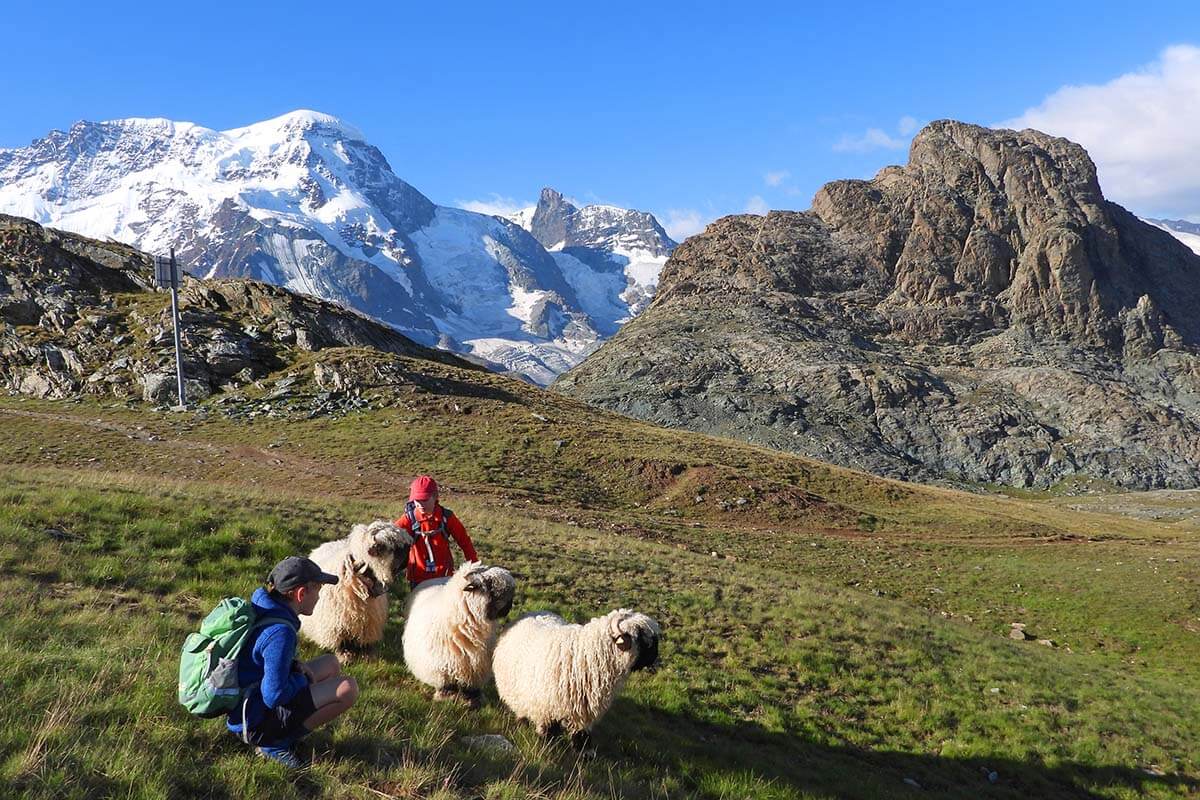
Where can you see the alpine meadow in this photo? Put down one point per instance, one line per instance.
(826, 633)
(644, 401)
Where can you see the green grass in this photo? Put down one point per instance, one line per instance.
(777, 679)
(830, 635)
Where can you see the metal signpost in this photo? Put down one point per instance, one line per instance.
(166, 275)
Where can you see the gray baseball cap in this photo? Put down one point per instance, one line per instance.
(296, 571)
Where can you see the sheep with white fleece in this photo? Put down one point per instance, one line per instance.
(451, 627)
(563, 677)
(350, 616)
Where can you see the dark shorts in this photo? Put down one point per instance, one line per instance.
(285, 721)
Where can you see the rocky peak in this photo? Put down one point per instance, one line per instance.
(998, 227)
(552, 218)
(559, 224)
(980, 313)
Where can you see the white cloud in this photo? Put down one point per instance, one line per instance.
(878, 138)
(776, 178)
(680, 223)
(757, 205)
(873, 139)
(502, 206)
(1142, 129)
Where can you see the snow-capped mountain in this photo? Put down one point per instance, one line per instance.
(612, 255)
(1184, 231)
(303, 201)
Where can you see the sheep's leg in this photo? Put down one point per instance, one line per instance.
(447, 692)
(582, 742)
(349, 651)
(550, 729)
(356, 648)
(472, 697)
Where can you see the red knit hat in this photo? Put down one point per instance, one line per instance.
(423, 487)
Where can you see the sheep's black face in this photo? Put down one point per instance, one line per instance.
(647, 650)
(498, 586)
(400, 559)
(500, 589)
(500, 605)
(386, 551)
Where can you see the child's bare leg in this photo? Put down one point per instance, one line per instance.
(333, 697)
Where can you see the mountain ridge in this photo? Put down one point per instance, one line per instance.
(981, 314)
(304, 201)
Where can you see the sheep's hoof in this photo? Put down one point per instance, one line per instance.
(581, 741)
(456, 694)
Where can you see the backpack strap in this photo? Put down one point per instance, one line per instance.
(411, 515)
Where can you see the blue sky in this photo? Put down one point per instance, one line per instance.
(690, 110)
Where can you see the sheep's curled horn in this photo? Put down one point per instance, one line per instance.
(474, 582)
(622, 639)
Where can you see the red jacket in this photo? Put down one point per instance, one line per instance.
(430, 555)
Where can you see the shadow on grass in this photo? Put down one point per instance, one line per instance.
(70, 779)
(715, 759)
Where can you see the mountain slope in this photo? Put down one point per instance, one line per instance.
(827, 633)
(303, 201)
(1184, 231)
(981, 314)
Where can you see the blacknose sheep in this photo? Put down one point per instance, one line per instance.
(563, 677)
(349, 617)
(451, 627)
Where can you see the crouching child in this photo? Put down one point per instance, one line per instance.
(287, 699)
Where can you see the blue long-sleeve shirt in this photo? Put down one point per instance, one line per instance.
(267, 660)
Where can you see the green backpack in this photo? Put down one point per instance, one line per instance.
(208, 681)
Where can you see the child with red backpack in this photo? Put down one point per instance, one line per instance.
(431, 525)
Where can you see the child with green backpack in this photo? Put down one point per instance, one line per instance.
(243, 663)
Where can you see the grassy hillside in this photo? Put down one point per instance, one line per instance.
(828, 634)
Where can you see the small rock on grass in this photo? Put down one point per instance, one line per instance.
(490, 741)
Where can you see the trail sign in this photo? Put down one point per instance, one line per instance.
(164, 272)
(166, 276)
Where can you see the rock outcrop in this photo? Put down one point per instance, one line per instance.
(79, 316)
(981, 314)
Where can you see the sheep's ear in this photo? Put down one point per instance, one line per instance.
(624, 642)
